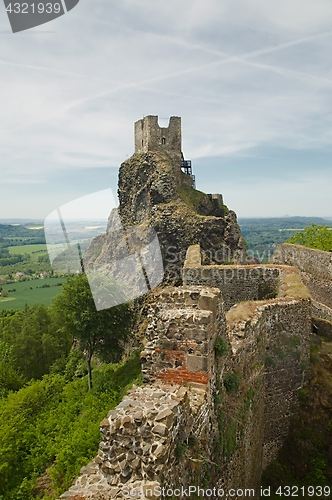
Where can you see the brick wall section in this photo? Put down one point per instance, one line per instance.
(185, 322)
(237, 283)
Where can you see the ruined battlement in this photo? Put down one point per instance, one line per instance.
(150, 137)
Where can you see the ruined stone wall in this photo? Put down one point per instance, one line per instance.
(315, 267)
(150, 137)
(279, 330)
(218, 398)
(181, 337)
(319, 310)
(270, 354)
(159, 435)
(237, 283)
(144, 441)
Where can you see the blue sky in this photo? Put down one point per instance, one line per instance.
(252, 82)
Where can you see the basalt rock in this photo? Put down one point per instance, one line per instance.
(152, 199)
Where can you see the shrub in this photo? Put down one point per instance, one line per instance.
(180, 450)
(220, 346)
(232, 382)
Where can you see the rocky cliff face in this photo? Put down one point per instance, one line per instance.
(151, 199)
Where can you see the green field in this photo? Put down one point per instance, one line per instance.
(30, 292)
(39, 249)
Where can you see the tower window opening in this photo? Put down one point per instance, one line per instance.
(163, 141)
(142, 142)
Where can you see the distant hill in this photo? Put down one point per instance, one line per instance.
(12, 234)
(283, 222)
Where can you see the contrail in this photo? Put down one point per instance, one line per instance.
(141, 84)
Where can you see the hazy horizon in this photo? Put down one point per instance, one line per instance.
(15, 220)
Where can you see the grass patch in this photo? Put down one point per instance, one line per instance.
(292, 286)
(242, 311)
(232, 382)
(180, 450)
(39, 249)
(197, 200)
(220, 346)
(39, 291)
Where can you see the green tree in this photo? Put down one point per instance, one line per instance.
(10, 379)
(3, 292)
(98, 332)
(314, 236)
(37, 340)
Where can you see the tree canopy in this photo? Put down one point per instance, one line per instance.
(36, 340)
(314, 236)
(97, 332)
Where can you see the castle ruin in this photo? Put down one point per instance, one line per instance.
(225, 354)
(150, 137)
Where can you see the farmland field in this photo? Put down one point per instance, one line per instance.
(39, 291)
(29, 249)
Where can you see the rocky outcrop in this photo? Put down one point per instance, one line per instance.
(152, 199)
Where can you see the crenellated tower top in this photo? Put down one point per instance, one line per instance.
(150, 137)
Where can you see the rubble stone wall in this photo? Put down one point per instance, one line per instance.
(218, 394)
(278, 336)
(182, 334)
(237, 283)
(315, 267)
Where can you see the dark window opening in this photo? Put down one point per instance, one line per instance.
(163, 140)
(142, 142)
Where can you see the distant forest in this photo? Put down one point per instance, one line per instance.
(263, 235)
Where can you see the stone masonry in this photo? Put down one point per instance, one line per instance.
(237, 282)
(218, 390)
(150, 137)
(181, 337)
(315, 268)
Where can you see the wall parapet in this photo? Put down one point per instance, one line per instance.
(317, 262)
(237, 282)
(141, 442)
(315, 268)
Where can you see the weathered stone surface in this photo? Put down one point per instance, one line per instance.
(197, 363)
(315, 267)
(150, 197)
(160, 429)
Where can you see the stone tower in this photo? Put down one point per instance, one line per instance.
(150, 137)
